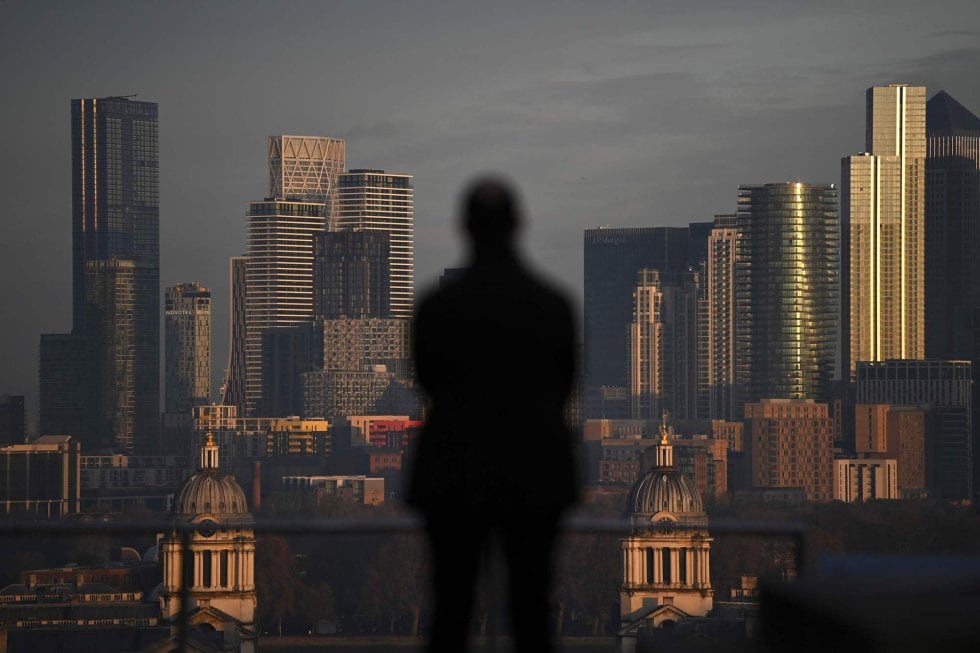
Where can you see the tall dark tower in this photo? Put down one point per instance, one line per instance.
(115, 228)
(613, 258)
(351, 275)
(952, 227)
(116, 215)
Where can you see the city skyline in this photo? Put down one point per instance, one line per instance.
(584, 95)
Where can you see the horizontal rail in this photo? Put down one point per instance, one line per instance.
(373, 526)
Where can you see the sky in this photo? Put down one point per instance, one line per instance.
(619, 113)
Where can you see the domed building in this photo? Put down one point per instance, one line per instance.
(211, 510)
(666, 557)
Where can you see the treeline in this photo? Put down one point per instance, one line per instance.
(379, 584)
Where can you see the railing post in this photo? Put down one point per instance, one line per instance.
(186, 578)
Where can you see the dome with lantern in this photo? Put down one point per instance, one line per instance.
(664, 494)
(212, 493)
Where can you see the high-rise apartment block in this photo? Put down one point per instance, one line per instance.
(362, 344)
(791, 445)
(233, 388)
(351, 275)
(188, 347)
(373, 200)
(786, 292)
(110, 330)
(663, 345)
(883, 192)
(278, 276)
(720, 318)
(952, 228)
(943, 389)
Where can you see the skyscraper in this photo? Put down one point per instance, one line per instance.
(110, 330)
(303, 172)
(351, 275)
(278, 276)
(882, 209)
(613, 257)
(720, 297)
(188, 347)
(115, 244)
(233, 388)
(373, 200)
(663, 345)
(786, 291)
(952, 231)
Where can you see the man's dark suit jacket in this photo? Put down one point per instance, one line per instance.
(495, 352)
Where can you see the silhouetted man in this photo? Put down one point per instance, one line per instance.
(494, 351)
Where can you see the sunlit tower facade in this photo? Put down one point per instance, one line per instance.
(187, 334)
(786, 292)
(883, 217)
(663, 345)
(373, 200)
(305, 167)
(720, 297)
(646, 346)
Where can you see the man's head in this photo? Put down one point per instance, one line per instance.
(491, 215)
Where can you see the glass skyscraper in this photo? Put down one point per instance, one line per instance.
(115, 236)
(952, 228)
(786, 292)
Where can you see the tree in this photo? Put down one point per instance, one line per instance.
(313, 603)
(397, 583)
(275, 579)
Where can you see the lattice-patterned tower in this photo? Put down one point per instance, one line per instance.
(666, 568)
(305, 168)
